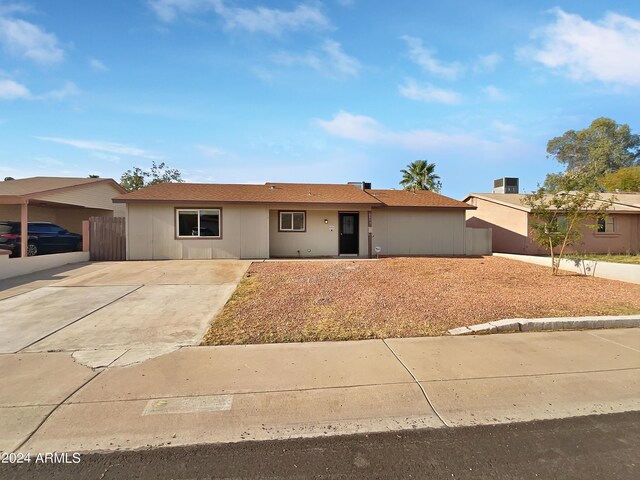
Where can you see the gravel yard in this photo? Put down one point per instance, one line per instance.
(403, 297)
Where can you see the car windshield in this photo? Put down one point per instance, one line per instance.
(5, 229)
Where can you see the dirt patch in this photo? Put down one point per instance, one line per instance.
(403, 297)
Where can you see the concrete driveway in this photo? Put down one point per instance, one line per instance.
(117, 313)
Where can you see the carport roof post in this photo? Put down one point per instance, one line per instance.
(24, 228)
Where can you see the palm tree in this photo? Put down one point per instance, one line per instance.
(420, 175)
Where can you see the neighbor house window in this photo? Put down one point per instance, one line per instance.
(198, 223)
(292, 222)
(606, 225)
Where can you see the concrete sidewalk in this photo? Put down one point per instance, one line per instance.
(234, 393)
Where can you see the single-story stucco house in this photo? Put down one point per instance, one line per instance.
(510, 222)
(275, 220)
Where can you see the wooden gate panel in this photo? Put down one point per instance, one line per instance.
(107, 241)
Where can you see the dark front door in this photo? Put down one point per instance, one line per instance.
(348, 233)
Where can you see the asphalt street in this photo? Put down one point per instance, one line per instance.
(603, 446)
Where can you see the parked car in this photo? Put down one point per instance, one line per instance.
(44, 237)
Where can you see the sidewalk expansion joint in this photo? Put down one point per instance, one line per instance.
(257, 392)
(424, 392)
(613, 341)
(33, 432)
(80, 318)
(547, 374)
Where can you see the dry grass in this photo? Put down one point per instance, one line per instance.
(403, 297)
(633, 258)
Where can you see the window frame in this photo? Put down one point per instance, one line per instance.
(292, 212)
(607, 221)
(197, 237)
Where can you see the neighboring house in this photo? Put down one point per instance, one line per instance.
(184, 221)
(63, 201)
(510, 220)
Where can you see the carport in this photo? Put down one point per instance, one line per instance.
(63, 201)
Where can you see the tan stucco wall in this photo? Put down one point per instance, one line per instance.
(625, 238)
(92, 196)
(400, 231)
(67, 217)
(510, 228)
(151, 234)
(319, 240)
(509, 225)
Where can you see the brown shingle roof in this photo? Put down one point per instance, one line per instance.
(622, 202)
(39, 185)
(419, 198)
(283, 193)
(288, 193)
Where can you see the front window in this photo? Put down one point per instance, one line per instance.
(606, 225)
(292, 222)
(198, 223)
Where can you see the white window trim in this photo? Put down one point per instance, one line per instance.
(198, 210)
(304, 221)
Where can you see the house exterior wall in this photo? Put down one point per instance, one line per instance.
(511, 234)
(92, 196)
(67, 217)
(151, 233)
(623, 240)
(319, 239)
(510, 227)
(399, 231)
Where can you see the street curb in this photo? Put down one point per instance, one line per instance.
(548, 324)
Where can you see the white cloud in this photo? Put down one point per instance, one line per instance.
(209, 151)
(69, 89)
(339, 60)
(495, 94)
(424, 57)
(24, 39)
(10, 90)
(254, 20)
(104, 147)
(502, 127)
(367, 130)
(7, 8)
(428, 93)
(330, 60)
(97, 66)
(487, 63)
(270, 20)
(168, 10)
(607, 50)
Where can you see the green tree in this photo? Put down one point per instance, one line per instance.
(625, 180)
(93, 176)
(420, 175)
(604, 147)
(558, 218)
(137, 178)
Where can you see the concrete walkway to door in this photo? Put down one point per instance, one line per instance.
(116, 313)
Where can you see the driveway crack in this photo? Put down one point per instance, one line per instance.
(424, 392)
(35, 430)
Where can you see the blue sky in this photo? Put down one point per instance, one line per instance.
(310, 91)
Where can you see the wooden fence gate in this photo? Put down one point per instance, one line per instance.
(107, 239)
